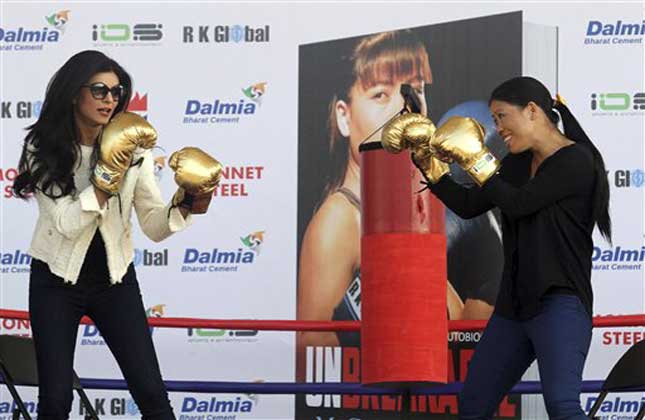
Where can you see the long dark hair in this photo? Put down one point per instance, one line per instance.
(522, 90)
(51, 149)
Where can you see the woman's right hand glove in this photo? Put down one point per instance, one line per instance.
(118, 141)
(430, 167)
(414, 132)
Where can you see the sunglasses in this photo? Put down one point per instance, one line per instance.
(100, 91)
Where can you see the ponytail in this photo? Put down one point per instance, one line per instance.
(573, 131)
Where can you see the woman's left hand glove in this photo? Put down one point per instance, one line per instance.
(461, 139)
(197, 174)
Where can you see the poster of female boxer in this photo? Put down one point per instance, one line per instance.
(348, 88)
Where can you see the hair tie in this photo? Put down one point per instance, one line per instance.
(558, 100)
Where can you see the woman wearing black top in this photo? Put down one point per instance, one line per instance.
(552, 190)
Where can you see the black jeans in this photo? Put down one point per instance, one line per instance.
(117, 310)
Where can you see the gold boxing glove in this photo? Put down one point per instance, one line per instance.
(414, 131)
(432, 168)
(197, 174)
(406, 131)
(119, 139)
(461, 139)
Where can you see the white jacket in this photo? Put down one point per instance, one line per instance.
(66, 226)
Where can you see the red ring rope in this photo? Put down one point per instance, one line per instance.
(635, 320)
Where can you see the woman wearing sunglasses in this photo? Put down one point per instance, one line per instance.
(82, 248)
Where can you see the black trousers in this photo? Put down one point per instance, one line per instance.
(117, 310)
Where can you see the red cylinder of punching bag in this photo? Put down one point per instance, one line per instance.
(404, 322)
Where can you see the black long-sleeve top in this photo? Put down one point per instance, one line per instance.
(546, 225)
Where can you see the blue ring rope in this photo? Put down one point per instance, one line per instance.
(286, 388)
(528, 387)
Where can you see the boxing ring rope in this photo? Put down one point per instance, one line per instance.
(527, 387)
(287, 388)
(635, 320)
